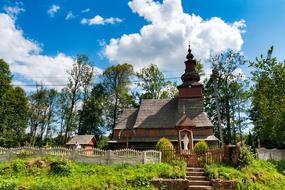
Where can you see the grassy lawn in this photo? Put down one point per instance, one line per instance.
(261, 175)
(57, 174)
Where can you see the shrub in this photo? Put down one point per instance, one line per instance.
(7, 185)
(246, 156)
(18, 165)
(141, 181)
(201, 147)
(167, 149)
(162, 143)
(179, 169)
(280, 166)
(44, 185)
(61, 167)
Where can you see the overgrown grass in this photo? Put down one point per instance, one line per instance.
(261, 175)
(58, 174)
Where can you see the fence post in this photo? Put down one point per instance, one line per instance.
(160, 155)
(108, 159)
(144, 157)
(9, 154)
(72, 154)
(40, 153)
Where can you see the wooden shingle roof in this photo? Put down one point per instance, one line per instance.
(127, 119)
(161, 113)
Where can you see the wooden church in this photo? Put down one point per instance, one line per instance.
(181, 119)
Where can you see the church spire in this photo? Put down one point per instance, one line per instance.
(190, 77)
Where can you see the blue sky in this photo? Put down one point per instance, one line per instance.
(50, 40)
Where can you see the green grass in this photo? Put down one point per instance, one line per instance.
(57, 174)
(259, 175)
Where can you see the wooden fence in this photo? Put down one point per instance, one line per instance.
(88, 156)
(191, 158)
(270, 154)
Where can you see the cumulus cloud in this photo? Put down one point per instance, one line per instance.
(69, 15)
(86, 10)
(53, 10)
(25, 58)
(15, 10)
(98, 20)
(163, 41)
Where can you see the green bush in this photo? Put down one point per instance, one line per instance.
(163, 143)
(201, 147)
(61, 167)
(280, 165)
(259, 174)
(18, 165)
(246, 156)
(7, 185)
(167, 149)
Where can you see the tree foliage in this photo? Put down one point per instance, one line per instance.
(229, 90)
(116, 80)
(268, 99)
(13, 110)
(154, 84)
(42, 114)
(80, 78)
(92, 114)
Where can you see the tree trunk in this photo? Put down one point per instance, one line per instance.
(73, 101)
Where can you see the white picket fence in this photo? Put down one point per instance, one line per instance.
(95, 155)
(270, 154)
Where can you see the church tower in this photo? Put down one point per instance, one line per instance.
(190, 99)
(190, 88)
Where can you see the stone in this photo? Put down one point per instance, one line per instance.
(170, 184)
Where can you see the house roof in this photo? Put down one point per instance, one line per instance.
(80, 139)
(160, 113)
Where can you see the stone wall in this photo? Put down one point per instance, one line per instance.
(170, 184)
(223, 185)
(270, 154)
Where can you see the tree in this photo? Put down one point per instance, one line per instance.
(13, 110)
(116, 81)
(62, 113)
(5, 78)
(52, 96)
(92, 114)
(268, 99)
(80, 77)
(154, 84)
(42, 114)
(227, 89)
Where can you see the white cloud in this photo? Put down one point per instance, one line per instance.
(53, 10)
(163, 41)
(69, 15)
(86, 10)
(25, 58)
(98, 20)
(14, 11)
